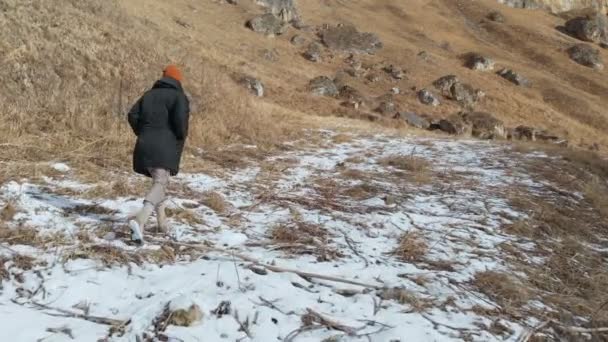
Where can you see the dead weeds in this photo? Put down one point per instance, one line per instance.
(216, 202)
(503, 288)
(412, 247)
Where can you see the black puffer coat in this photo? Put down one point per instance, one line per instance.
(160, 121)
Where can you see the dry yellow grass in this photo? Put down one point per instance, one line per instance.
(8, 212)
(215, 201)
(412, 247)
(503, 288)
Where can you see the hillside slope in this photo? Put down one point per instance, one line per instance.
(88, 59)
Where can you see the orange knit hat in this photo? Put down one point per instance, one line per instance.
(173, 72)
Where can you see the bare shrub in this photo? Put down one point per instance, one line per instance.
(412, 247)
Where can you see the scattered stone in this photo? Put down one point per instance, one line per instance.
(479, 62)
(454, 124)
(270, 55)
(313, 52)
(254, 85)
(184, 312)
(484, 125)
(298, 40)
(387, 108)
(428, 98)
(395, 72)
(514, 77)
(586, 55)
(346, 38)
(445, 83)
(590, 28)
(414, 120)
(496, 16)
(268, 24)
(395, 90)
(323, 86)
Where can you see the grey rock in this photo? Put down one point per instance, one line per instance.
(313, 52)
(268, 24)
(514, 77)
(414, 120)
(323, 86)
(346, 38)
(445, 83)
(479, 62)
(428, 98)
(252, 84)
(586, 55)
(591, 28)
(298, 40)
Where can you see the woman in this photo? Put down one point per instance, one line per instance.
(160, 121)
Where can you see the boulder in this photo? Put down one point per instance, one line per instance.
(414, 120)
(445, 83)
(346, 38)
(268, 24)
(514, 77)
(428, 98)
(484, 125)
(586, 55)
(479, 62)
(590, 28)
(323, 86)
(252, 84)
(454, 124)
(496, 16)
(313, 52)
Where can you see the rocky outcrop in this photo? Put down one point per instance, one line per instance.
(586, 55)
(347, 38)
(590, 28)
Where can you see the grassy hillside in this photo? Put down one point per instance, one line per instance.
(72, 68)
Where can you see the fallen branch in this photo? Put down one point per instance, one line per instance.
(273, 268)
(90, 318)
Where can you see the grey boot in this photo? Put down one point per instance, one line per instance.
(137, 225)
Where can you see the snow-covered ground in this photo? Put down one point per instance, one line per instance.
(350, 206)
